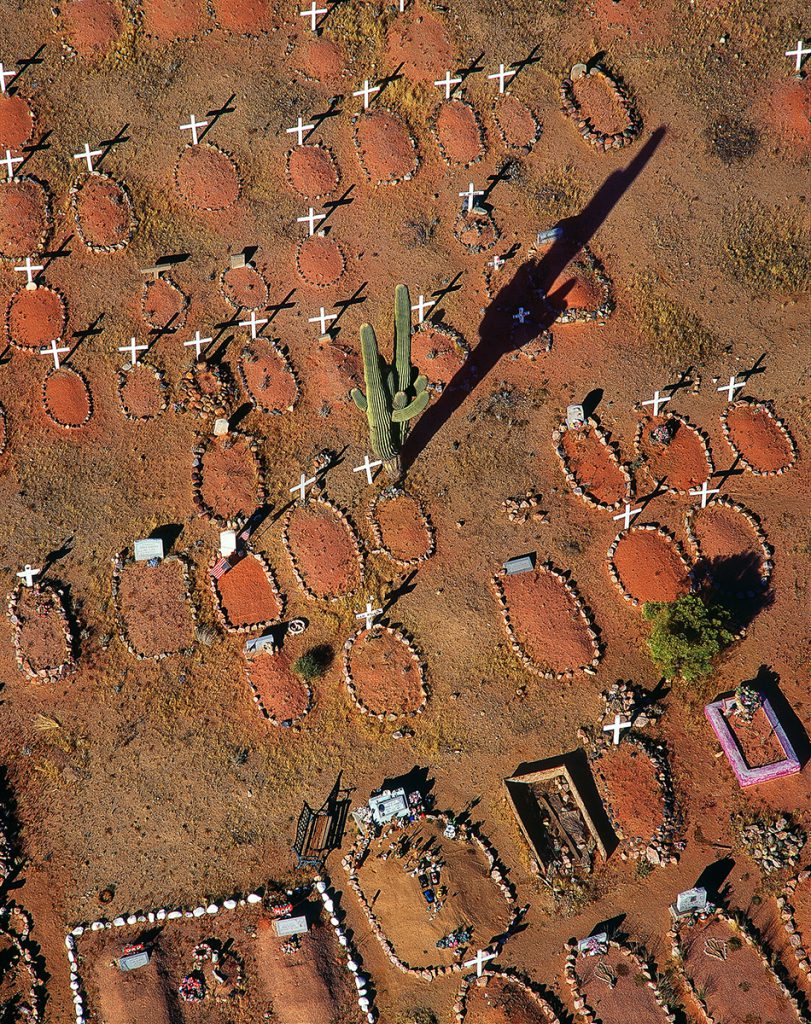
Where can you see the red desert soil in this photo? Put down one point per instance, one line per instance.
(320, 260)
(593, 93)
(574, 288)
(324, 550)
(268, 378)
(322, 59)
(35, 318)
(758, 438)
(737, 990)
(163, 303)
(23, 217)
(649, 567)
(757, 740)
(501, 1001)
(134, 997)
(458, 132)
(422, 46)
(594, 468)
(283, 693)
(632, 790)
(207, 178)
(142, 394)
(67, 400)
(248, 17)
(402, 528)
(16, 121)
(515, 121)
(313, 171)
(546, 625)
(386, 677)
(231, 481)
(92, 26)
(103, 211)
(386, 152)
(245, 288)
(168, 20)
(630, 1001)
(437, 354)
(246, 594)
(154, 608)
(729, 547)
(787, 112)
(41, 631)
(682, 461)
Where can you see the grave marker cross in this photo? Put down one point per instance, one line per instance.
(502, 75)
(478, 961)
(732, 387)
(54, 351)
(300, 130)
(10, 161)
(469, 194)
(521, 316)
(133, 350)
(88, 155)
(448, 84)
(657, 401)
(302, 486)
(11, 75)
(28, 268)
(800, 54)
(497, 262)
(704, 490)
(367, 467)
(616, 727)
(627, 515)
(192, 126)
(322, 319)
(28, 574)
(198, 343)
(369, 615)
(310, 220)
(313, 12)
(366, 92)
(421, 307)
(253, 322)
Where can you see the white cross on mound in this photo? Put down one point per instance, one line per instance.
(133, 350)
(28, 269)
(732, 387)
(253, 322)
(367, 468)
(300, 130)
(704, 490)
(311, 219)
(198, 343)
(9, 161)
(421, 307)
(479, 960)
(616, 727)
(313, 13)
(799, 53)
(192, 127)
(88, 155)
(496, 263)
(322, 319)
(628, 515)
(522, 315)
(366, 92)
(28, 574)
(448, 84)
(502, 76)
(369, 615)
(302, 486)
(10, 75)
(54, 351)
(657, 401)
(469, 194)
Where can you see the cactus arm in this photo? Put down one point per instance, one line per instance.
(421, 384)
(358, 398)
(414, 408)
(378, 409)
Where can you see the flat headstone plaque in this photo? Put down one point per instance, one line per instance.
(575, 416)
(220, 427)
(690, 900)
(238, 261)
(521, 563)
(151, 547)
(228, 542)
(290, 926)
(259, 643)
(593, 945)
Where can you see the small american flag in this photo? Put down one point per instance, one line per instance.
(220, 568)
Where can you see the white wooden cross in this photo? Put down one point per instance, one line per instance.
(310, 220)
(253, 322)
(133, 350)
(4, 75)
(28, 574)
(323, 319)
(616, 727)
(469, 194)
(799, 53)
(496, 263)
(370, 614)
(704, 490)
(88, 155)
(301, 130)
(302, 486)
(732, 387)
(367, 467)
(366, 92)
(657, 401)
(421, 307)
(627, 515)
(521, 316)
(54, 351)
(198, 343)
(10, 161)
(401, 4)
(313, 13)
(502, 76)
(448, 84)
(28, 269)
(192, 126)
(478, 961)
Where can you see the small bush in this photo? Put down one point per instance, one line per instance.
(313, 663)
(686, 635)
(732, 139)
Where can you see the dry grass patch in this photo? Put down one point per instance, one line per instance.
(677, 334)
(767, 251)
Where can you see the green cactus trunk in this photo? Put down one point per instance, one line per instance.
(378, 411)
(402, 349)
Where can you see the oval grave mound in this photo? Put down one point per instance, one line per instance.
(632, 789)
(92, 27)
(66, 397)
(230, 480)
(756, 435)
(267, 376)
(321, 59)
(384, 673)
(459, 133)
(439, 351)
(476, 230)
(592, 459)
(142, 392)
(650, 566)
(421, 45)
(281, 693)
(730, 548)
(247, 595)
(25, 217)
(35, 318)
(386, 149)
(207, 177)
(401, 527)
(685, 460)
(169, 20)
(312, 171)
(163, 304)
(320, 260)
(103, 212)
(156, 616)
(324, 550)
(518, 127)
(42, 635)
(598, 102)
(616, 990)
(16, 121)
(244, 288)
(248, 17)
(503, 999)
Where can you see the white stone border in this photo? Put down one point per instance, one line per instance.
(198, 456)
(356, 119)
(319, 284)
(759, 405)
(77, 187)
(433, 124)
(3, 429)
(231, 160)
(416, 656)
(57, 595)
(343, 516)
(163, 390)
(49, 412)
(33, 350)
(602, 140)
(28, 956)
(49, 221)
(785, 902)
(524, 147)
(661, 531)
(479, 221)
(284, 355)
(683, 421)
(120, 563)
(184, 309)
(510, 977)
(230, 301)
(391, 494)
(613, 452)
(333, 161)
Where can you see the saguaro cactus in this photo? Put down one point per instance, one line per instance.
(395, 393)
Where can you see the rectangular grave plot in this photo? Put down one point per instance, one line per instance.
(785, 762)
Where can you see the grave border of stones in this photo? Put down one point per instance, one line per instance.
(433, 126)
(4, 428)
(661, 531)
(254, 627)
(581, 607)
(399, 633)
(120, 563)
(230, 301)
(77, 187)
(391, 493)
(333, 163)
(478, 219)
(512, 977)
(684, 421)
(409, 175)
(316, 284)
(723, 501)
(346, 519)
(22, 290)
(257, 697)
(188, 382)
(760, 405)
(165, 279)
(263, 33)
(353, 861)
(222, 152)
(524, 147)
(645, 965)
(198, 454)
(604, 437)
(49, 218)
(590, 132)
(49, 412)
(592, 267)
(283, 352)
(785, 903)
(28, 954)
(56, 596)
(456, 337)
(162, 41)
(163, 388)
(735, 919)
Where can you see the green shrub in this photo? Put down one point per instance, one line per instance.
(313, 663)
(686, 635)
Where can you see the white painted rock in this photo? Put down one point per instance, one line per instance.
(230, 904)
(253, 897)
(352, 966)
(78, 930)
(69, 941)
(199, 911)
(119, 922)
(132, 919)
(321, 887)
(212, 908)
(173, 915)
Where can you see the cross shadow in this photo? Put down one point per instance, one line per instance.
(334, 204)
(497, 337)
(5, 355)
(108, 145)
(24, 65)
(502, 174)
(330, 7)
(473, 68)
(658, 490)
(38, 147)
(333, 110)
(442, 293)
(342, 305)
(276, 308)
(88, 332)
(722, 475)
(521, 65)
(755, 368)
(217, 114)
(684, 381)
(384, 83)
(59, 253)
(406, 586)
(235, 420)
(53, 556)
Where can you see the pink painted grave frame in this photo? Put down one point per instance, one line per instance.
(747, 776)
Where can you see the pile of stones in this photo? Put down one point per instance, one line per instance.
(526, 509)
(772, 844)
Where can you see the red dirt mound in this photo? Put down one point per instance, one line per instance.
(385, 676)
(633, 792)
(422, 46)
(324, 550)
(143, 394)
(92, 26)
(516, 123)
(402, 529)
(757, 740)
(437, 354)
(683, 461)
(231, 482)
(758, 438)
(36, 318)
(152, 602)
(103, 211)
(168, 20)
(245, 288)
(545, 621)
(66, 397)
(246, 594)
(786, 112)
(593, 93)
(320, 260)
(284, 695)
(312, 171)
(322, 59)
(628, 1000)
(16, 121)
(498, 1000)
(267, 377)
(40, 629)
(387, 153)
(459, 134)
(574, 288)
(23, 217)
(248, 17)
(135, 997)
(207, 177)
(730, 549)
(163, 303)
(593, 466)
(650, 567)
